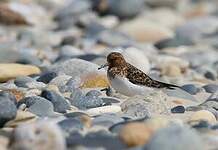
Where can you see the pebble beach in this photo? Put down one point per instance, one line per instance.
(51, 95)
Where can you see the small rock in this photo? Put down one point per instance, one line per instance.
(175, 138)
(95, 140)
(38, 106)
(60, 80)
(76, 67)
(82, 117)
(135, 108)
(70, 125)
(28, 136)
(21, 81)
(103, 109)
(8, 110)
(21, 117)
(211, 88)
(10, 71)
(120, 8)
(46, 77)
(94, 81)
(135, 134)
(87, 102)
(114, 38)
(178, 109)
(145, 31)
(171, 70)
(59, 102)
(107, 120)
(203, 115)
(195, 28)
(190, 88)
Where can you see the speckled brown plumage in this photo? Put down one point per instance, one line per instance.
(119, 67)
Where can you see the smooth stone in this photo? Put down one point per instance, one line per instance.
(8, 55)
(103, 109)
(21, 117)
(178, 109)
(210, 75)
(46, 77)
(60, 103)
(190, 88)
(8, 110)
(204, 115)
(69, 125)
(210, 104)
(110, 100)
(175, 138)
(71, 85)
(135, 108)
(28, 136)
(200, 124)
(114, 38)
(82, 117)
(86, 102)
(76, 67)
(172, 70)
(211, 88)
(160, 122)
(94, 80)
(35, 85)
(195, 28)
(96, 140)
(29, 59)
(173, 42)
(70, 9)
(38, 106)
(76, 95)
(135, 134)
(93, 93)
(165, 60)
(120, 8)
(69, 51)
(179, 93)
(11, 71)
(60, 80)
(148, 105)
(107, 120)
(145, 30)
(21, 81)
(137, 58)
(8, 96)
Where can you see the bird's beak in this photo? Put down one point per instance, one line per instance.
(103, 66)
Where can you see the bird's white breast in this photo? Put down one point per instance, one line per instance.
(125, 87)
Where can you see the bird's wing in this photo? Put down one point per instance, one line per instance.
(138, 77)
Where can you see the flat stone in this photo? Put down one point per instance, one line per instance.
(11, 71)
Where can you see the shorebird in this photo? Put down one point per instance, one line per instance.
(129, 80)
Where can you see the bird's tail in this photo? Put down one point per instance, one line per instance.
(159, 84)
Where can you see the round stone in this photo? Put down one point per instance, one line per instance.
(178, 109)
(135, 134)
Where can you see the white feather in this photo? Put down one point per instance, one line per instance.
(125, 87)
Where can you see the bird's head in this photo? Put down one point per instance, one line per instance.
(114, 59)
